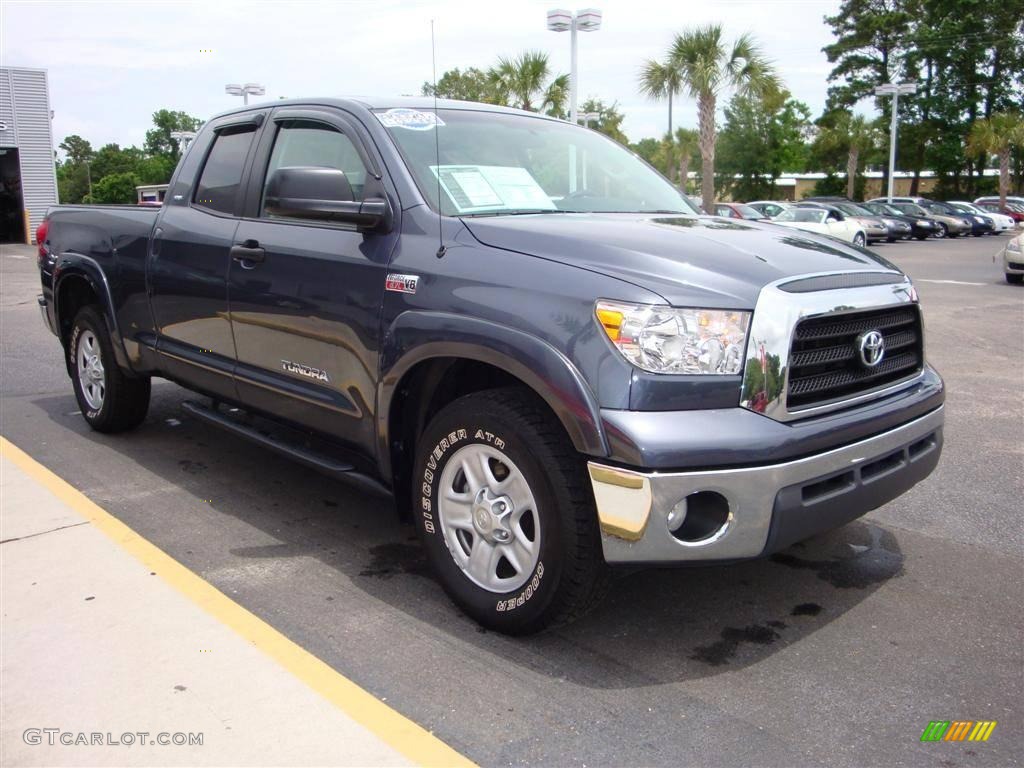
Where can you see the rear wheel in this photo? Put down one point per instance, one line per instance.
(505, 512)
(109, 400)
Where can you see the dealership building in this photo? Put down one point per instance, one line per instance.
(28, 179)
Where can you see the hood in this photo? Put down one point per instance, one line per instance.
(688, 260)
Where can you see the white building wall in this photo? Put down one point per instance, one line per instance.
(25, 109)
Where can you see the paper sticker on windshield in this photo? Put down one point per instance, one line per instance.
(410, 119)
(476, 188)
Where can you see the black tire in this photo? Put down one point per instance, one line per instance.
(859, 240)
(890, 239)
(1014, 278)
(942, 232)
(921, 237)
(124, 400)
(570, 575)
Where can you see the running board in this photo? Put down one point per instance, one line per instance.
(306, 456)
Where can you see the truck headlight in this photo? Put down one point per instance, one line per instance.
(663, 339)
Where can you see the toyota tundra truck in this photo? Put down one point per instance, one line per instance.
(514, 328)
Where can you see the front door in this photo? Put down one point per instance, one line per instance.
(188, 266)
(306, 311)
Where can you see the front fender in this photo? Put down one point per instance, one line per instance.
(75, 266)
(416, 336)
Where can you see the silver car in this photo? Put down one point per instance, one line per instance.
(1013, 260)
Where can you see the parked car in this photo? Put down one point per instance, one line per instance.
(738, 211)
(1013, 260)
(894, 229)
(1018, 201)
(921, 227)
(1014, 211)
(548, 371)
(1000, 222)
(824, 221)
(874, 228)
(981, 223)
(955, 222)
(771, 208)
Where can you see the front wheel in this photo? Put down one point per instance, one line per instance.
(109, 400)
(942, 232)
(505, 513)
(858, 240)
(1014, 278)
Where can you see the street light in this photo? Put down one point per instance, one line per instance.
(561, 20)
(184, 138)
(586, 117)
(244, 90)
(895, 90)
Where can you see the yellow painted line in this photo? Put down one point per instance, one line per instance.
(394, 729)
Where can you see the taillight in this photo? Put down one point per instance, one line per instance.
(41, 240)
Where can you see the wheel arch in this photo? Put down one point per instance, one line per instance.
(432, 357)
(78, 281)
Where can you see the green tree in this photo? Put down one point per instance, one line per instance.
(661, 80)
(74, 176)
(470, 85)
(708, 66)
(526, 82)
(110, 159)
(166, 121)
(998, 135)
(763, 137)
(686, 143)
(850, 134)
(115, 188)
(609, 119)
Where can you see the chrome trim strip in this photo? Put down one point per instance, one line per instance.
(776, 315)
(750, 491)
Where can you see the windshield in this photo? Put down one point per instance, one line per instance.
(853, 210)
(941, 208)
(749, 213)
(810, 215)
(491, 163)
(913, 208)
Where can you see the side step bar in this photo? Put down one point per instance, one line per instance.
(309, 457)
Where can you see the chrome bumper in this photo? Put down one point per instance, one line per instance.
(633, 507)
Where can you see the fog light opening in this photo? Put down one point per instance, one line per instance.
(699, 517)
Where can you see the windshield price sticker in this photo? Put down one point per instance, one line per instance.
(410, 119)
(474, 188)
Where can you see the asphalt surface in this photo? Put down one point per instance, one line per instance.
(839, 651)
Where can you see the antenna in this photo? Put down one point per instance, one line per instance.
(437, 145)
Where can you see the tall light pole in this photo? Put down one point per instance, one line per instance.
(244, 90)
(184, 138)
(895, 90)
(561, 20)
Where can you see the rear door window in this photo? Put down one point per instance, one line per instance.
(220, 182)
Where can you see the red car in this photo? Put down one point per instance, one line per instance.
(1014, 211)
(738, 211)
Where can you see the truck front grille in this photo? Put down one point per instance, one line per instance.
(825, 363)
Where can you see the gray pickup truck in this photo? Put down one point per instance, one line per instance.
(513, 327)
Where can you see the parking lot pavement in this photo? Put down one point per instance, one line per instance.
(106, 665)
(839, 651)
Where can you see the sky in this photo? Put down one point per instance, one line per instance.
(112, 64)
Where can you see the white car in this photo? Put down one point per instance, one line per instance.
(1000, 221)
(1013, 260)
(823, 222)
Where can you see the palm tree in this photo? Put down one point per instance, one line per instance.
(660, 80)
(707, 66)
(523, 82)
(687, 142)
(852, 134)
(998, 135)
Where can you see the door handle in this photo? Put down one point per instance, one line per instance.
(249, 251)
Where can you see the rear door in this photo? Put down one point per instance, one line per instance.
(306, 315)
(190, 254)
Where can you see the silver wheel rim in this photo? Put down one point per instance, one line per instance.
(488, 517)
(858, 240)
(91, 376)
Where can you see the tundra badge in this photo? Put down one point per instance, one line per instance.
(305, 370)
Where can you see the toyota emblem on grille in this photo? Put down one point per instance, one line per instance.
(871, 347)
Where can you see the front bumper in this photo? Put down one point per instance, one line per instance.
(768, 507)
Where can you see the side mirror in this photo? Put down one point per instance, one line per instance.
(323, 194)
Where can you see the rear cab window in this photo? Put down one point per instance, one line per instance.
(219, 185)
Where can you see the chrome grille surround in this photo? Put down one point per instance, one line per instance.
(778, 313)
